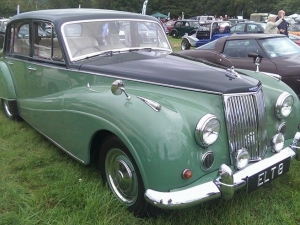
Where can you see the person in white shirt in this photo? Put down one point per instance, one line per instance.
(272, 24)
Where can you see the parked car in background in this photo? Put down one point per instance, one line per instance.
(247, 28)
(3, 23)
(24, 31)
(182, 27)
(259, 17)
(205, 19)
(205, 34)
(295, 38)
(170, 24)
(279, 54)
(294, 29)
(165, 130)
(234, 21)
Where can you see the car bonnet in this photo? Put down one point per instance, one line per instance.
(171, 70)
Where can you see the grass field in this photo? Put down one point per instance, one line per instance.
(175, 43)
(40, 184)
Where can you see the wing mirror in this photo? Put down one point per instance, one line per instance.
(118, 87)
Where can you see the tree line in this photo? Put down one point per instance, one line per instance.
(190, 8)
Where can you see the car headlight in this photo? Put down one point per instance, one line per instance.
(207, 130)
(284, 105)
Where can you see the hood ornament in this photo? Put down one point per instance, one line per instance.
(231, 73)
(256, 59)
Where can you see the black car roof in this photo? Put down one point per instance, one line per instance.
(253, 36)
(59, 16)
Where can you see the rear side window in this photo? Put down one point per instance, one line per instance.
(241, 48)
(238, 28)
(46, 45)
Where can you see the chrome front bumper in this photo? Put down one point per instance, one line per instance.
(224, 186)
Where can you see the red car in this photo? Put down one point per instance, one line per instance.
(170, 24)
(295, 38)
(279, 54)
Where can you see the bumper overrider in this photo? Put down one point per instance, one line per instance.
(227, 183)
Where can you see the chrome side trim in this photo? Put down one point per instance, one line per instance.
(272, 75)
(224, 186)
(55, 143)
(153, 105)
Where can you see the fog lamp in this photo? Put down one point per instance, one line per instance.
(278, 142)
(242, 158)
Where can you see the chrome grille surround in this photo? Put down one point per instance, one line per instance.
(246, 123)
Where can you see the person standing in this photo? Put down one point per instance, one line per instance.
(272, 24)
(283, 26)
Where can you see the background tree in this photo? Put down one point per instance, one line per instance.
(175, 7)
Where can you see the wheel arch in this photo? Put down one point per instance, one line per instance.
(97, 141)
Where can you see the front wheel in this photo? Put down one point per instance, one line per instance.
(185, 45)
(10, 109)
(174, 34)
(119, 170)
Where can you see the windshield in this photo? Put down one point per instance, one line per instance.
(209, 46)
(276, 47)
(90, 38)
(194, 24)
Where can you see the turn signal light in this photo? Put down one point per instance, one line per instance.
(187, 174)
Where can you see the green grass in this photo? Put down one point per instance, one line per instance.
(40, 184)
(175, 43)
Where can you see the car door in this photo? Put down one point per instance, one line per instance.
(40, 77)
(237, 52)
(15, 57)
(184, 28)
(48, 80)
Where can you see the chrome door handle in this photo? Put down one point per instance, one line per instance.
(9, 62)
(31, 68)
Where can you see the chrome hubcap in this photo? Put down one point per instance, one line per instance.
(6, 108)
(121, 176)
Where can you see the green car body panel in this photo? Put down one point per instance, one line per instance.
(7, 89)
(152, 100)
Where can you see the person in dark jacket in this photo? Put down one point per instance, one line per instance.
(283, 26)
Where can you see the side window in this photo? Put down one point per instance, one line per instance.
(46, 45)
(241, 48)
(230, 49)
(252, 28)
(19, 39)
(178, 24)
(238, 28)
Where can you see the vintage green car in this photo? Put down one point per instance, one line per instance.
(181, 133)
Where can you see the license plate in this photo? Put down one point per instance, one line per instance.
(267, 175)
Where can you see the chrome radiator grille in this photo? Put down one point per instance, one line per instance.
(246, 123)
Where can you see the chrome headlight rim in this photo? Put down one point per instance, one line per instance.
(281, 110)
(201, 130)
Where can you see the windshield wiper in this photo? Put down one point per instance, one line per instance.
(112, 52)
(140, 49)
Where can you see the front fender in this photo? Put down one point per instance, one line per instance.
(191, 39)
(163, 142)
(7, 89)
